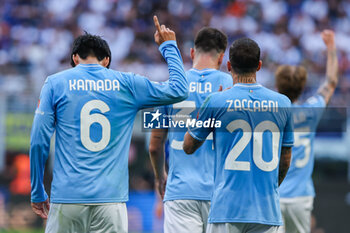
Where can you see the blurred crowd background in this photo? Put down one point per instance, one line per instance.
(36, 38)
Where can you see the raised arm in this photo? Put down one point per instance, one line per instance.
(150, 94)
(328, 87)
(286, 154)
(156, 153)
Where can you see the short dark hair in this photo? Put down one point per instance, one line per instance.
(291, 80)
(244, 56)
(209, 39)
(90, 45)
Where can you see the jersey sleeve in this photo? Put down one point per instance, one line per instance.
(163, 109)
(205, 113)
(288, 134)
(315, 106)
(42, 130)
(228, 82)
(150, 94)
(316, 101)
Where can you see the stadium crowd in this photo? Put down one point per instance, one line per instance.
(36, 35)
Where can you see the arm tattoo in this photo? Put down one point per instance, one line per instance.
(328, 87)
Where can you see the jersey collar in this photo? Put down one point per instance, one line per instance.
(203, 71)
(249, 85)
(90, 66)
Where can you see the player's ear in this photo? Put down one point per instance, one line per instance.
(75, 58)
(104, 62)
(229, 68)
(259, 66)
(192, 53)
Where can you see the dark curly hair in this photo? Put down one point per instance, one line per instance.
(210, 39)
(90, 45)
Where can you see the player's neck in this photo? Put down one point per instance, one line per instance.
(205, 62)
(246, 78)
(89, 60)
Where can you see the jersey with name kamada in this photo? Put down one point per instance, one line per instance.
(298, 181)
(92, 109)
(191, 177)
(255, 123)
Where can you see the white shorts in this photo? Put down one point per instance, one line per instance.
(241, 227)
(186, 216)
(296, 214)
(104, 218)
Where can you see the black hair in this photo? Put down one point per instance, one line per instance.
(209, 39)
(90, 45)
(244, 56)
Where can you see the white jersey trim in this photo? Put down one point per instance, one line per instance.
(247, 85)
(296, 199)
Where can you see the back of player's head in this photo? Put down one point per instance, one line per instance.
(91, 45)
(244, 56)
(210, 40)
(291, 80)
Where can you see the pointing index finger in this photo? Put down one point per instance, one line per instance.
(156, 23)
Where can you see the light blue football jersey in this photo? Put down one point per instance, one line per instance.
(92, 110)
(255, 123)
(186, 179)
(298, 181)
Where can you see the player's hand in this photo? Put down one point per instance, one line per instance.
(41, 208)
(160, 185)
(162, 33)
(159, 209)
(328, 39)
(221, 88)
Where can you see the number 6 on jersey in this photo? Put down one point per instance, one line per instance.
(87, 119)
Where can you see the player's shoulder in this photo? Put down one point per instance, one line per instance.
(224, 75)
(216, 98)
(130, 76)
(123, 74)
(225, 78)
(125, 78)
(315, 101)
(221, 76)
(193, 74)
(60, 76)
(131, 79)
(209, 73)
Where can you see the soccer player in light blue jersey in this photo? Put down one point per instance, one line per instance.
(190, 179)
(252, 144)
(297, 190)
(92, 109)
